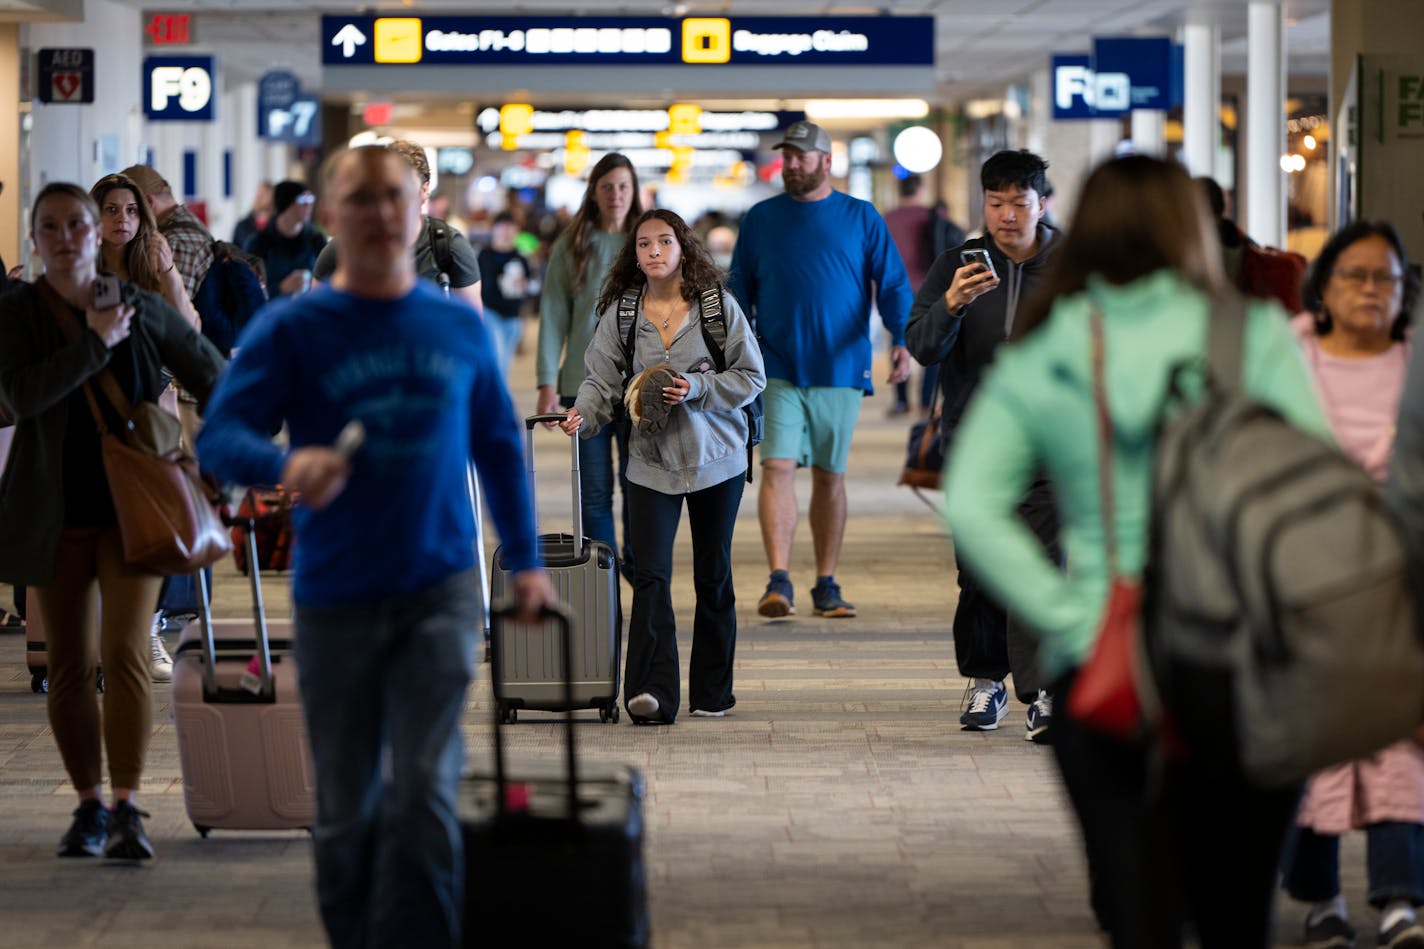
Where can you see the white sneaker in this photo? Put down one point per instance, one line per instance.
(643, 705)
(160, 665)
(703, 713)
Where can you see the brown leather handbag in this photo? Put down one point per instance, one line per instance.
(167, 513)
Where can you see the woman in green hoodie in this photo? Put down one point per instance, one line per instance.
(1141, 252)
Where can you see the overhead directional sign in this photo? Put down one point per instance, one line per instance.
(1121, 75)
(276, 90)
(538, 41)
(179, 88)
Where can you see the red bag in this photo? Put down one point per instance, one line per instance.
(1105, 696)
(1272, 274)
(270, 510)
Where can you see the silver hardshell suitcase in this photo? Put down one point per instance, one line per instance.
(529, 661)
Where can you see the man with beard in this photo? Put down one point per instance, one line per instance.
(962, 312)
(807, 267)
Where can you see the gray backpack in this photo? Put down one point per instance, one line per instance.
(1276, 576)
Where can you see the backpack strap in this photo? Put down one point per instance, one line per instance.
(1226, 339)
(438, 233)
(714, 326)
(627, 314)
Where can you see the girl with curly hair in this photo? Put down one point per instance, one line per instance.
(688, 445)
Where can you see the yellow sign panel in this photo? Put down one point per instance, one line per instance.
(516, 118)
(398, 40)
(684, 119)
(706, 39)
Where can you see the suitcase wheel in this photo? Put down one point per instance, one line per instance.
(38, 683)
(202, 830)
(508, 715)
(608, 714)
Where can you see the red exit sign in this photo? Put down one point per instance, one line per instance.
(169, 29)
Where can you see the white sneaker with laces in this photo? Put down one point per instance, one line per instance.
(988, 704)
(160, 666)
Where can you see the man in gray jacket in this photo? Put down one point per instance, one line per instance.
(961, 314)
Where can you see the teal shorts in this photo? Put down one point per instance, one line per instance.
(811, 426)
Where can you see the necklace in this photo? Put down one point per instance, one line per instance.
(671, 312)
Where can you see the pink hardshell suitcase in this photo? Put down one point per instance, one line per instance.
(242, 742)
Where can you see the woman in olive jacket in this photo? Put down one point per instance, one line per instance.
(56, 513)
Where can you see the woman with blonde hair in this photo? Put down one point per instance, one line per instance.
(60, 358)
(568, 312)
(1129, 296)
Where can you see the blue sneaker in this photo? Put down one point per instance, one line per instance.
(777, 600)
(987, 707)
(826, 597)
(1038, 718)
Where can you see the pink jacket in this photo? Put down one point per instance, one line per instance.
(1388, 785)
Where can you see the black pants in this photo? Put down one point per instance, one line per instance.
(652, 664)
(988, 642)
(1197, 848)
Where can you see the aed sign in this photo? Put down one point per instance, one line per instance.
(548, 40)
(179, 88)
(66, 75)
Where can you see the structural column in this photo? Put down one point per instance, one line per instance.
(1265, 123)
(1201, 77)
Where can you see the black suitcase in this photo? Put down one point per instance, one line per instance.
(553, 856)
(530, 664)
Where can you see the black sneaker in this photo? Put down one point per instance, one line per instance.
(1329, 932)
(127, 841)
(826, 597)
(777, 600)
(89, 832)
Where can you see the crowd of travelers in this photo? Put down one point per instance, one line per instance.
(1056, 352)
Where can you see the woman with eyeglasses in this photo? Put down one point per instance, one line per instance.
(1359, 294)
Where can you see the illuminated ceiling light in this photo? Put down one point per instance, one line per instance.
(1309, 142)
(822, 110)
(918, 149)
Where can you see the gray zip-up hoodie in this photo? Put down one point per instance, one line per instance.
(705, 441)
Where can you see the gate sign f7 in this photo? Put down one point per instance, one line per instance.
(179, 88)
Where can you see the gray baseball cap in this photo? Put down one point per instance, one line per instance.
(807, 136)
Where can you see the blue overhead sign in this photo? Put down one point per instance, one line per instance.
(1122, 74)
(624, 41)
(179, 88)
(1147, 63)
(276, 91)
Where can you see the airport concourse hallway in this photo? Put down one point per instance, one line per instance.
(839, 804)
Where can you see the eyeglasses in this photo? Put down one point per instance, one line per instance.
(1386, 280)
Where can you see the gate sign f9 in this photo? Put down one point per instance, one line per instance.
(179, 88)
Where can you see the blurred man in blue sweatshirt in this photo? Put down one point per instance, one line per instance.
(386, 602)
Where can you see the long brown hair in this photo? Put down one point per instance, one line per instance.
(579, 233)
(139, 256)
(699, 271)
(1136, 215)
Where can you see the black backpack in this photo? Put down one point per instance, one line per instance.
(714, 334)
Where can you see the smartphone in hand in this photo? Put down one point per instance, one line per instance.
(978, 255)
(106, 291)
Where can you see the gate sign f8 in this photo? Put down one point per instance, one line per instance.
(179, 88)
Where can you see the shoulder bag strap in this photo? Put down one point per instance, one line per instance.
(714, 326)
(1226, 339)
(1105, 463)
(59, 309)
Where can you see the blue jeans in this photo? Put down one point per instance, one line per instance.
(505, 331)
(383, 685)
(1393, 854)
(596, 484)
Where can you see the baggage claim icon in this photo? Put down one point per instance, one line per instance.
(706, 40)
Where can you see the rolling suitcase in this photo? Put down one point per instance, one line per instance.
(553, 854)
(242, 743)
(529, 667)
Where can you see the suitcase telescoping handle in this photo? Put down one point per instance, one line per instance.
(529, 425)
(267, 691)
(504, 613)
